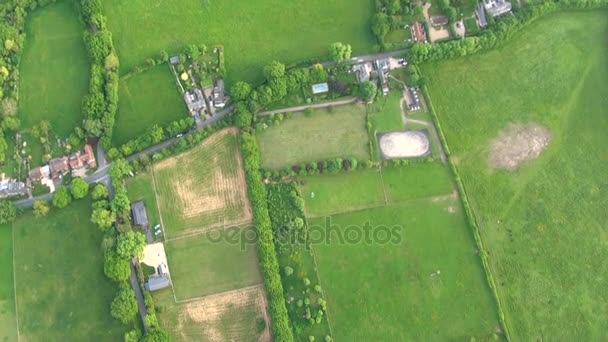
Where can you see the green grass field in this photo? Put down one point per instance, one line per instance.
(548, 251)
(385, 113)
(54, 69)
(146, 99)
(336, 193)
(212, 263)
(388, 291)
(318, 136)
(392, 291)
(8, 323)
(252, 32)
(203, 188)
(141, 187)
(62, 293)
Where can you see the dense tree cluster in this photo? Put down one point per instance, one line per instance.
(388, 17)
(8, 211)
(100, 104)
(281, 330)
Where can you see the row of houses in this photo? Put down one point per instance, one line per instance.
(59, 167)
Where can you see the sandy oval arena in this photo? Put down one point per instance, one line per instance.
(404, 144)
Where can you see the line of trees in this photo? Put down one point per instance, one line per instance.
(281, 329)
(99, 106)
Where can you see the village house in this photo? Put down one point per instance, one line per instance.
(11, 187)
(219, 98)
(497, 7)
(195, 101)
(38, 173)
(383, 66)
(363, 71)
(85, 158)
(59, 167)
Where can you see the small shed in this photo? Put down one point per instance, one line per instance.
(156, 283)
(174, 60)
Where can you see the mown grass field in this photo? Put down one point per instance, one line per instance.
(149, 98)
(141, 188)
(321, 135)
(385, 114)
(62, 293)
(252, 32)
(427, 275)
(203, 188)
(54, 69)
(214, 262)
(545, 224)
(329, 194)
(8, 319)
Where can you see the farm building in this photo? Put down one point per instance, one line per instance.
(139, 214)
(219, 98)
(497, 7)
(414, 104)
(480, 12)
(439, 20)
(157, 282)
(418, 33)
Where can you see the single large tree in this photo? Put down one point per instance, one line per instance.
(103, 218)
(41, 208)
(274, 70)
(99, 192)
(80, 188)
(130, 244)
(368, 91)
(62, 197)
(240, 91)
(340, 52)
(115, 267)
(124, 305)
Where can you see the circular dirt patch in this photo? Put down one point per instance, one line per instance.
(518, 144)
(404, 144)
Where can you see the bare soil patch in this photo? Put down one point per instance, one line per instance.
(517, 144)
(404, 144)
(211, 312)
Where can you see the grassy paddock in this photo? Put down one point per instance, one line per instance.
(8, 317)
(542, 225)
(321, 135)
(252, 32)
(201, 265)
(54, 69)
(62, 293)
(141, 187)
(148, 98)
(392, 291)
(336, 193)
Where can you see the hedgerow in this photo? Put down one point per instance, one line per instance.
(281, 330)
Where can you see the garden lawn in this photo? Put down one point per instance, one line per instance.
(54, 69)
(545, 224)
(252, 32)
(8, 323)
(385, 114)
(426, 284)
(213, 262)
(329, 194)
(148, 98)
(141, 187)
(322, 135)
(62, 293)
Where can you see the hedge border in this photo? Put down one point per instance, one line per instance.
(256, 191)
(471, 218)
